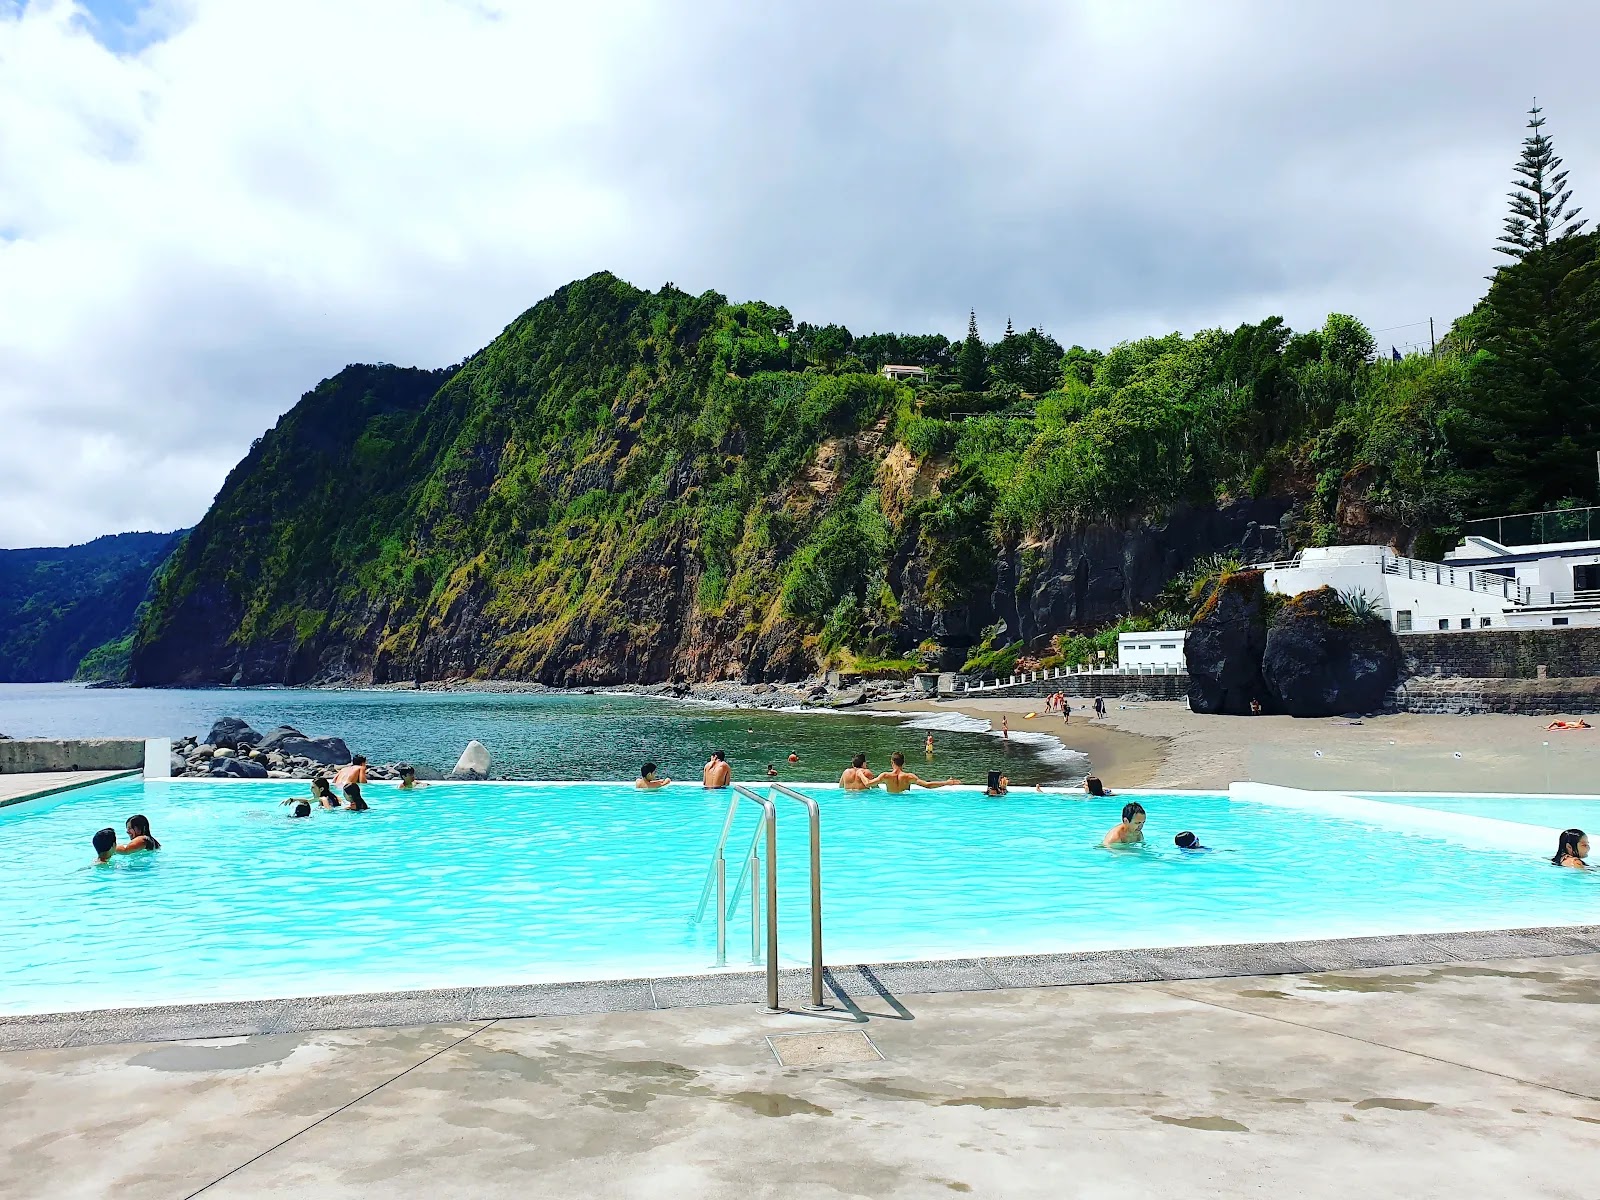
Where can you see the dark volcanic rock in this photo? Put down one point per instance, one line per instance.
(275, 739)
(329, 751)
(237, 768)
(1320, 660)
(232, 733)
(1225, 647)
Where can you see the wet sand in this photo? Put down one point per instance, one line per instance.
(1161, 744)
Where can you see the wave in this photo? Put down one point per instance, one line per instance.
(1047, 746)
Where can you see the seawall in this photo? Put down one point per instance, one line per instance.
(24, 755)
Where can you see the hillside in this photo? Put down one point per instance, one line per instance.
(60, 604)
(635, 486)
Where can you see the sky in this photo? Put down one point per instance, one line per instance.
(207, 206)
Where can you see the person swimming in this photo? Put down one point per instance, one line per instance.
(1572, 849)
(997, 785)
(793, 758)
(356, 772)
(352, 798)
(1094, 787)
(897, 779)
(302, 809)
(320, 794)
(772, 771)
(408, 778)
(716, 773)
(1130, 831)
(1188, 841)
(647, 778)
(105, 844)
(139, 835)
(857, 777)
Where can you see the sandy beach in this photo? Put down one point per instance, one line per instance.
(1162, 744)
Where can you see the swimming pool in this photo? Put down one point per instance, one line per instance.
(477, 884)
(1550, 812)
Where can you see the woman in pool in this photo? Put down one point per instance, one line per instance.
(1094, 787)
(320, 794)
(352, 798)
(1130, 831)
(139, 836)
(301, 809)
(998, 784)
(1572, 850)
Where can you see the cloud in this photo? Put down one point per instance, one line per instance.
(208, 205)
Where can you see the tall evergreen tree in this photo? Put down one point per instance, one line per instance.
(1539, 213)
(971, 362)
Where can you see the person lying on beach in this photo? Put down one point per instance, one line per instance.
(1130, 831)
(1578, 724)
(301, 809)
(647, 778)
(408, 778)
(1572, 849)
(356, 772)
(1094, 787)
(716, 773)
(857, 777)
(897, 779)
(352, 798)
(998, 784)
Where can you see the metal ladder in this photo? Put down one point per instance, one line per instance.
(717, 880)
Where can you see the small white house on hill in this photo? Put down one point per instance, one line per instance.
(1161, 650)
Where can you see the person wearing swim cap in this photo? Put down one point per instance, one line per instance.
(1189, 841)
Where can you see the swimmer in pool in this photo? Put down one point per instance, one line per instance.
(301, 809)
(1130, 831)
(356, 772)
(1094, 787)
(320, 794)
(1572, 850)
(647, 778)
(857, 777)
(352, 798)
(716, 773)
(408, 778)
(897, 779)
(998, 784)
(139, 836)
(1190, 842)
(105, 844)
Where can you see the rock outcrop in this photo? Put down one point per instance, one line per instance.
(232, 733)
(1225, 647)
(1321, 660)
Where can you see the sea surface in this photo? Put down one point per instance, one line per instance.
(552, 736)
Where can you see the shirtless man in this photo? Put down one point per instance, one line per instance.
(1130, 831)
(897, 779)
(857, 777)
(717, 773)
(356, 772)
(647, 778)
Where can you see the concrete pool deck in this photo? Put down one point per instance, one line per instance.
(15, 787)
(1460, 1080)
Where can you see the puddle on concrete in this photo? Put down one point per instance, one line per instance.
(235, 1056)
(879, 1087)
(1336, 982)
(1215, 1124)
(957, 1187)
(1265, 994)
(995, 1102)
(770, 1104)
(1398, 1103)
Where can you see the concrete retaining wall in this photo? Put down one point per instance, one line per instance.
(77, 754)
(1529, 697)
(1503, 653)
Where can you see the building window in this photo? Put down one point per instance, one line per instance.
(1466, 622)
(1444, 623)
(1169, 645)
(1558, 620)
(1483, 622)
(1402, 620)
(1586, 578)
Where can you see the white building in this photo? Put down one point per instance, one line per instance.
(1482, 584)
(1161, 650)
(892, 371)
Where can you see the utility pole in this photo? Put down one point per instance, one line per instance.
(1433, 350)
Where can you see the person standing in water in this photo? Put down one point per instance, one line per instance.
(352, 798)
(897, 779)
(1572, 849)
(857, 777)
(1130, 831)
(927, 747)
(716, 773)
(647, 778)
(139, 835)
(356, 772)
(1005, 727)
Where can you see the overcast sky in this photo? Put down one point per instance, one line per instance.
(206, 206)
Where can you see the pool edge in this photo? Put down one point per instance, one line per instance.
(9, 801)
(874, 983)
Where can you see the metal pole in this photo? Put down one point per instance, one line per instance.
(772, 908)
(755, 907)
(1433, 348)
(722, 911)
(814, 821)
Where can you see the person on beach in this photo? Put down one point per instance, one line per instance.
(408, 778)
(716, 773)
(647, 778)
(352, 798)
(1066, 711)
(356, 772)
(1578, 724)
(1572, 849)
(1099, 707)
(1005, 727)
(897, 779)
(1094, 787)
(301, 809)
(857, 777)
(1130, 830)
(998, 784)
(105, 844)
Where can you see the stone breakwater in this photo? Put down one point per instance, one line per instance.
(233, 750)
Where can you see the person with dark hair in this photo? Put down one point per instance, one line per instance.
(716, 773)
(897, 779)
(1188, 841)
(105, 844)
(1099, 707)
(302, 809)
(997, 785)
(647, 778)
(320, 794)
(356, 772)
(857, 777)
(1572, 849)
(352, 798)
(1130, 831)
(408, 778)
(772, 771)
(139, 835)
(1094, 787)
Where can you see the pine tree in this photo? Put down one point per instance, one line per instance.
(1539, 205)
(971, 364)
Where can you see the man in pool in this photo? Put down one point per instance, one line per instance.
(716, 773)
(408, 778)
(647, 778)
(897, 779)
(105, 844)
(857, 777)
(1130, 831)
(356, 772)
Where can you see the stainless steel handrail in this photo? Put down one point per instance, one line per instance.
(716, 877)
(815, 818)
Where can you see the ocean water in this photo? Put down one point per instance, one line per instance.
(551, 736)
(479, 884)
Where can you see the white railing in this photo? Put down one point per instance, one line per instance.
(1560, 599)
(1444, 575)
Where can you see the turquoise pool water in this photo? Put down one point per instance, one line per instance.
(481, 884)
(1552, 812)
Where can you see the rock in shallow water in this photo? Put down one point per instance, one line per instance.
(474, 762)
(237, 768)
(231, 733)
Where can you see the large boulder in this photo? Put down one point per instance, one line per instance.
(275, 739)
(237, 768)
(231, 733)
(474, 762)
(1225, 646)
(327, 751)
(1322, 659)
